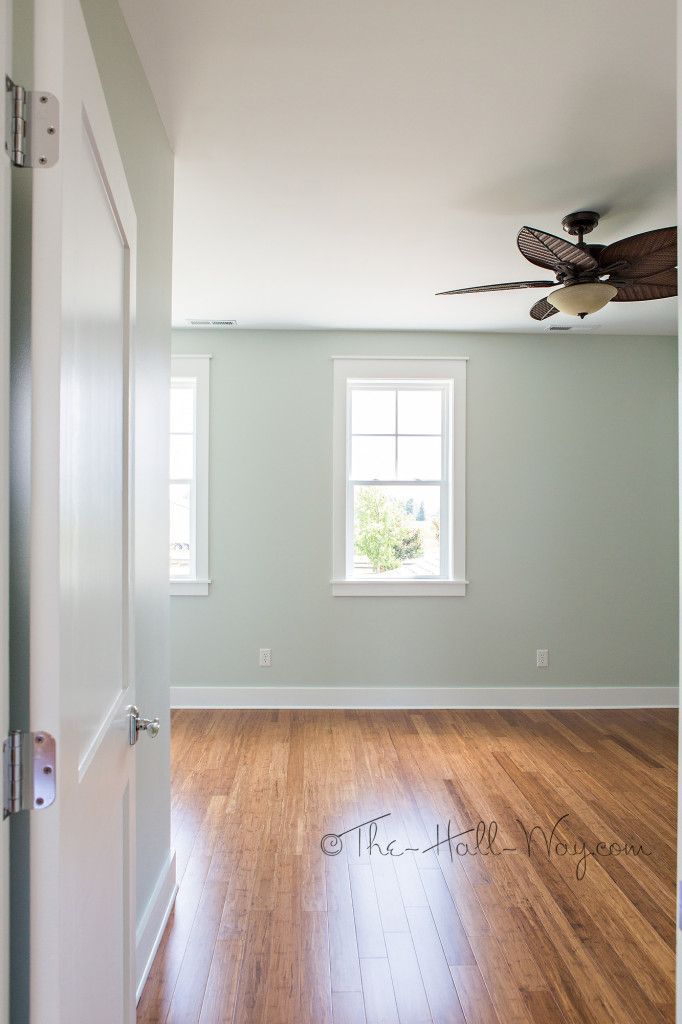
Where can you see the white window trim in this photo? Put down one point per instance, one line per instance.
(197, 367)
(429, 368)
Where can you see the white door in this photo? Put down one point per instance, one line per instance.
(5, 184)
(81, 642)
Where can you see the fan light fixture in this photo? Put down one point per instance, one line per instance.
(581, 299)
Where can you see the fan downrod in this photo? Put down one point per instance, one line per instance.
(580, 223)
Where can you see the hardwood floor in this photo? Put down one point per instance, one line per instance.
(267, 929)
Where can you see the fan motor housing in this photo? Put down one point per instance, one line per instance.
(594, 248)
(581, 222)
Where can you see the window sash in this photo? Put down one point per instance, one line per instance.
(193, 372)
(403, 372)
(189, 383)
(444, 483)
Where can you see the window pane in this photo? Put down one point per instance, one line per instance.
(373, 458)
(181, 410)
(372, 412)
(419, 458)
(396, 532)
(419, 412)
(181, 456)
(180, 529)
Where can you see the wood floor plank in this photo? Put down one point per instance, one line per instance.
(438, 983)
(348, 1008)
(377, 987)
(408, 987)
(220, 995)
(316, 989)
(158, 991)
(409, 882)
(542, 1007)
(254, 973)
(189, 991)
(344, 961)
(267, 929)
(474, 996)
(368, 926)
(450, 931)
(504, 988)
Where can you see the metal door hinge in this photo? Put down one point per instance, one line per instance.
(32, 126)
(29, 771)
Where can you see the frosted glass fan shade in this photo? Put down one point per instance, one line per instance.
(579, 299)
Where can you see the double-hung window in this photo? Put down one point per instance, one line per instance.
(399, 502)
(188, 491)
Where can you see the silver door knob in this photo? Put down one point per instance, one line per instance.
(138, 724)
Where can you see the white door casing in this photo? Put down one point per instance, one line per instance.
(678, 906)
(81, 647)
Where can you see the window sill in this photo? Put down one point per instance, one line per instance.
(189, 588)
(399, 588)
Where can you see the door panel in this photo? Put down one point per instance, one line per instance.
(93, 395)
(83, 273)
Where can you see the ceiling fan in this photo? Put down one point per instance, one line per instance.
(634, 269)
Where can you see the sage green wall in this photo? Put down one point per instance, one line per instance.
(571, 519)
(148, 163)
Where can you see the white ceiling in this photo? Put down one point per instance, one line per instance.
(339, 161)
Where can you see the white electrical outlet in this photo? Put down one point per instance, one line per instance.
(542, 659)
(265, 657)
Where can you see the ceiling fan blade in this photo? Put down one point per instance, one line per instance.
(642, 255)
(507, 287)
(638, 291)
(542, 309)
(551, 252)
(666, 278)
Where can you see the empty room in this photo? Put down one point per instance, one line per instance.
(339, 507)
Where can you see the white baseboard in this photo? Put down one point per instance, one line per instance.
(424, 696)
(152, 923)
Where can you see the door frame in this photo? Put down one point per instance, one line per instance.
(5, 278)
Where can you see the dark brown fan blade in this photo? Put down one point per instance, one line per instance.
(550, 252)
(642, 255)
(638, 291)
(666, 278)
(542, 309)
(509, 286)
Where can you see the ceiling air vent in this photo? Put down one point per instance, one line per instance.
(580, 328)
(212, 323)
